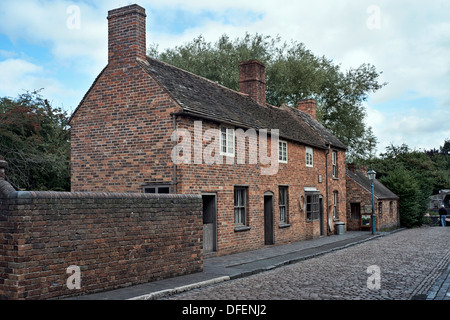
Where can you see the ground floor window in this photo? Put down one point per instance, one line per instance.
(240, 206)
(335, 205)
(283, 204)
(312, 206)
(157, 189)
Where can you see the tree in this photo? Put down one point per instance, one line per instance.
(414, 176)
(445, 149)
(35, 141)
(403, 184)
(292, 73)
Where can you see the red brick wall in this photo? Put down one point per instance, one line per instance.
(252, 80)
(120, 136)
(117, 240)
(126, 35)
(221, 179)
(357, 194)
(121, 141)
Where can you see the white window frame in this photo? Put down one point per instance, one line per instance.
(283, 198)
(312, 206)
(334, 157)
(309, 156)
(156, 188)
(282, 151)
(227, 137)
(240, 208)
(335, 205)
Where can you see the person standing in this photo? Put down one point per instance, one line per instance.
(443, 214)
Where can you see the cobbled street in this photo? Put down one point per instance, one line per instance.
(409, 262)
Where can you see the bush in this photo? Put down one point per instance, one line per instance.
(403, 184)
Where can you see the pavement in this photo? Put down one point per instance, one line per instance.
(229, 267)
(441, 288)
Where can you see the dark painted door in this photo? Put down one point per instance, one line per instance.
(268, 219)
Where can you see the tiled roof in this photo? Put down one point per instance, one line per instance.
(380, 190)
(204, 98)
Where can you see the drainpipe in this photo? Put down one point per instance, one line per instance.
(326, 186)
(174, 173)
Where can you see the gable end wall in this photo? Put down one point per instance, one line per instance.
(120, 136)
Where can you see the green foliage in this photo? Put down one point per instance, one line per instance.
(402, 182)
(292, 73)
(34, 140)
(414, 176)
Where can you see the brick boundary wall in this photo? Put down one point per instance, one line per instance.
(116, 240)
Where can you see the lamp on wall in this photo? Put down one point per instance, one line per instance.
(371, 174)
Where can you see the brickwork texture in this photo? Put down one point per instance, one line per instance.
(115, 239)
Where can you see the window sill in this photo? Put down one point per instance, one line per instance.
(284, 225)
(231, 155)
(241, 228)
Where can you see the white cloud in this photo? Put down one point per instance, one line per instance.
(418, 128)
(48, 24)
(18, 76)
(410, 45)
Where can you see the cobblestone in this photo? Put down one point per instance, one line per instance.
(410, 262)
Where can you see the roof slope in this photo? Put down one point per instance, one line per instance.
(204, 98)
(380, 190)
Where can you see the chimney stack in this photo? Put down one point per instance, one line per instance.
(309, 106)
(126, 35)
(352, 167)
(252, 80)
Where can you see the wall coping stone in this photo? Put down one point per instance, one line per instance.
(9, 194)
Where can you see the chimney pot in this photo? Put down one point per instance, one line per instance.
(309, 106)
(252, 80)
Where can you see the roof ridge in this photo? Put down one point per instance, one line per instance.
(198, 76)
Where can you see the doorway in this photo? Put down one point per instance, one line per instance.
(209, 223)
(268, 219)
(321, 215)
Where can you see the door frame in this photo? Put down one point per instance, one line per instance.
(269, 228)
(321, 216)
(214, 217)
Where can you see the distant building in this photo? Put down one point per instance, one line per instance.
(359, 202)
(443, 198)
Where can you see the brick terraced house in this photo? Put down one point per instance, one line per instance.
(147, 126)
(359, 202)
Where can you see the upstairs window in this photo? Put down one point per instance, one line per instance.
(309, 157)
(282, 151)
(227, 141)
(334, 163)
